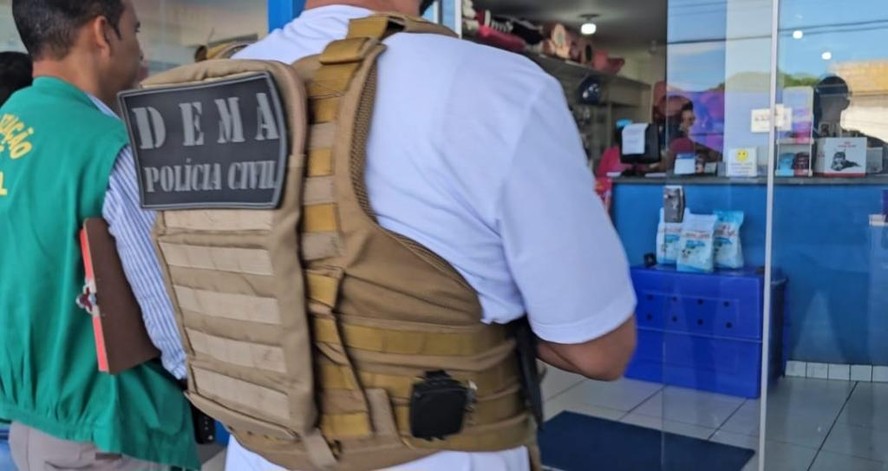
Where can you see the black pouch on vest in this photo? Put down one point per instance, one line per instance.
(527, 364)
(438, 406)
(204, 427)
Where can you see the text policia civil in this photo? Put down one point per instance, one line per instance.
(221, 144)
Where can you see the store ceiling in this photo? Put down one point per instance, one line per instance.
(624, 23)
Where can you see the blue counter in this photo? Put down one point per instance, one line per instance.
(836, 264)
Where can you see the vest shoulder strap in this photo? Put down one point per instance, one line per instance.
(366, 34)
(382, 25)
(220, 51)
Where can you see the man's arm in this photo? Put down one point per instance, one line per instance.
(604, 358)
(562, 248)
(131, 227)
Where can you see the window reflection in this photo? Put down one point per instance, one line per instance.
(832, 78)
(839, 54)
(718, 76)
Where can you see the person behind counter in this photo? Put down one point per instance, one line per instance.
(16, 72)
(681, 142)
(832, 97)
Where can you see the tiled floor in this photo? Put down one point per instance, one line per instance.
(813, 425)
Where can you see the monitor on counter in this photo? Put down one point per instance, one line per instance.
(640, 144)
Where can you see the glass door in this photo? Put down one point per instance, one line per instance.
(830, 411)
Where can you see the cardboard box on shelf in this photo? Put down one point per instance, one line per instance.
(841, 157)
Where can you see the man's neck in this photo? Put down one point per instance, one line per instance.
(75, 72)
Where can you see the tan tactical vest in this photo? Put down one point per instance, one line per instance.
(306, 327)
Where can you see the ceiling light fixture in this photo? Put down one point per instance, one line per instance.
(827, 56)
(589, 28)
(798, 34)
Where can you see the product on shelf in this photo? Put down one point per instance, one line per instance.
(491, 30)
(559, 41)
(697, 244)
(525, 36)
(582, 52)
(784, 164)
(530, 32)
(668, 237)
(801, 165)
(841, 157)
(491, 37)
(674, 203)
(728, 247)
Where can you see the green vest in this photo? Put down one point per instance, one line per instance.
(57, 151)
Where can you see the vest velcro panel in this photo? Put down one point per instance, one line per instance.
(238, 287)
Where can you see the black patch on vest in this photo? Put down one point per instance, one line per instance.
(219, 145)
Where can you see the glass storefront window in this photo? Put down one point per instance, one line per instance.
(829, 232)
(713, 324)
(814, 199)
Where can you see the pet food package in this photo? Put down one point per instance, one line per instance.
(697, 244)
(728, 248)
(668, 235)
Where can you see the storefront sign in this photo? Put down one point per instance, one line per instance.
(215, 145)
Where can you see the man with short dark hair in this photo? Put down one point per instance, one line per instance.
(64, 158)
(15, 73)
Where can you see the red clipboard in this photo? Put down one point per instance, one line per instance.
(122, 341)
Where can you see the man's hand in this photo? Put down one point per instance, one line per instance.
(603, 359)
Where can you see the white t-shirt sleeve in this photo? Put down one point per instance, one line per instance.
(559, 242)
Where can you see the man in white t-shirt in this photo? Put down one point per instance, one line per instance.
(474, 154)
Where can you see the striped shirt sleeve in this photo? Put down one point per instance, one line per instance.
(131, 227)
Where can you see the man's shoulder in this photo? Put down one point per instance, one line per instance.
(459, 68)
(474, 56)
(74, 116)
